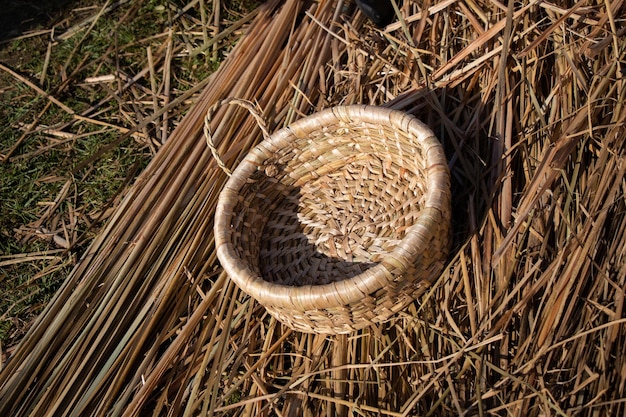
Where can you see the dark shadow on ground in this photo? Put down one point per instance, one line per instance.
(20, 16)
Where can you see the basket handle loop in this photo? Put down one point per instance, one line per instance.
(255, 112)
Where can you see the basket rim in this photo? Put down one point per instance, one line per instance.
(356, 288)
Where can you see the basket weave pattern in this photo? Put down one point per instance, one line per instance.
(337, 221)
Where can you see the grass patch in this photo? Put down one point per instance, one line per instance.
(113, 67)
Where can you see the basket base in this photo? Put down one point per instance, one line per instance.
(344, 320)
(300, 247)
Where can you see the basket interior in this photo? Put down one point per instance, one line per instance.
(330, 205)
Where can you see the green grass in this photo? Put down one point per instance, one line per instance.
(46, 163)
(28, 186)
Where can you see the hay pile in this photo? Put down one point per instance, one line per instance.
(528, 319)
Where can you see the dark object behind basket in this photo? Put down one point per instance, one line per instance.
(379, 11)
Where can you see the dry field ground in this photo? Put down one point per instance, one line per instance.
(112, 301)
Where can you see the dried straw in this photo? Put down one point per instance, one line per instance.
(528, 319)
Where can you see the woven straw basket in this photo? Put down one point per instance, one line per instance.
(337, 221)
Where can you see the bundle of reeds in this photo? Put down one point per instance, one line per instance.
(528, 318)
